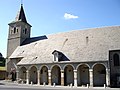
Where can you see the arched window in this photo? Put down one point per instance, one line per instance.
(25, 30)
(17, 30)
(14, 29)
(56, 57)
(116, 60)
(55, 53)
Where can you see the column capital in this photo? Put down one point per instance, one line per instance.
(90, 70)
(17, 71)
(38, 71)
(75, 70)
(107, 69)
(27, 71)
(62, 71)
(49, 71)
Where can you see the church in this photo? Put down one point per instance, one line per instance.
(88, 57)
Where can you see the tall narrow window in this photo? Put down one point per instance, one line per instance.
(87, 40)
(25, 30)
(14, 29)
(17, 30)
(116, 60)
(11, 31)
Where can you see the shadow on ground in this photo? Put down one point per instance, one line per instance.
(2, 84)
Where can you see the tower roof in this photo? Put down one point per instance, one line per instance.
(21, 15)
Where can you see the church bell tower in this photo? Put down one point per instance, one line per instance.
(19, 31)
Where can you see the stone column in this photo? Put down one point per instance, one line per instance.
(91, 77)
(62, 77)
(49, 77)
(38, 76)
(75, 78)
(27, 77)
(107, 76)
(17, 77)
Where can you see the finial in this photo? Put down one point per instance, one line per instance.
(21, 2)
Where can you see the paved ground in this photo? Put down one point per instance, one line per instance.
(8, 85)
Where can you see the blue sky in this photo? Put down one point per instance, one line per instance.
(53, 16)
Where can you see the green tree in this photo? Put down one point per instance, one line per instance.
(2, 61)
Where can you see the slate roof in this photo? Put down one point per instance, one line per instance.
(21, 15)
(78, 46)
(34, 39)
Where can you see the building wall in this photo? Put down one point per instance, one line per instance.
(114, 70)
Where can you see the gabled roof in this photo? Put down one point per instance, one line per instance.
(78, 46)
(21, 15)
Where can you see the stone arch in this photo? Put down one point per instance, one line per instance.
(56, 65)
(69, 65)
(99, 75)
(56, 74)
(99, 63)
(83, 74)
(43, 66)
(44, 75)
(22, 67)
(22, 73)
(68, 74)
(33, 74)
(82, 64)
(33, 66)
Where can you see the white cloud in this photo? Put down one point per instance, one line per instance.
(70, 16)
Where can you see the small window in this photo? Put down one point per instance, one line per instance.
(17, 30)
(87, 39)
(11, 31)
(25, 30)
(116, 60)
(14, 29)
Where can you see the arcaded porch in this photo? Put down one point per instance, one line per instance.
(81, 75)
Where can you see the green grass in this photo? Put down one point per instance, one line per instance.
(2, 68)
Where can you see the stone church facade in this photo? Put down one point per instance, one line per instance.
(78, 58)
